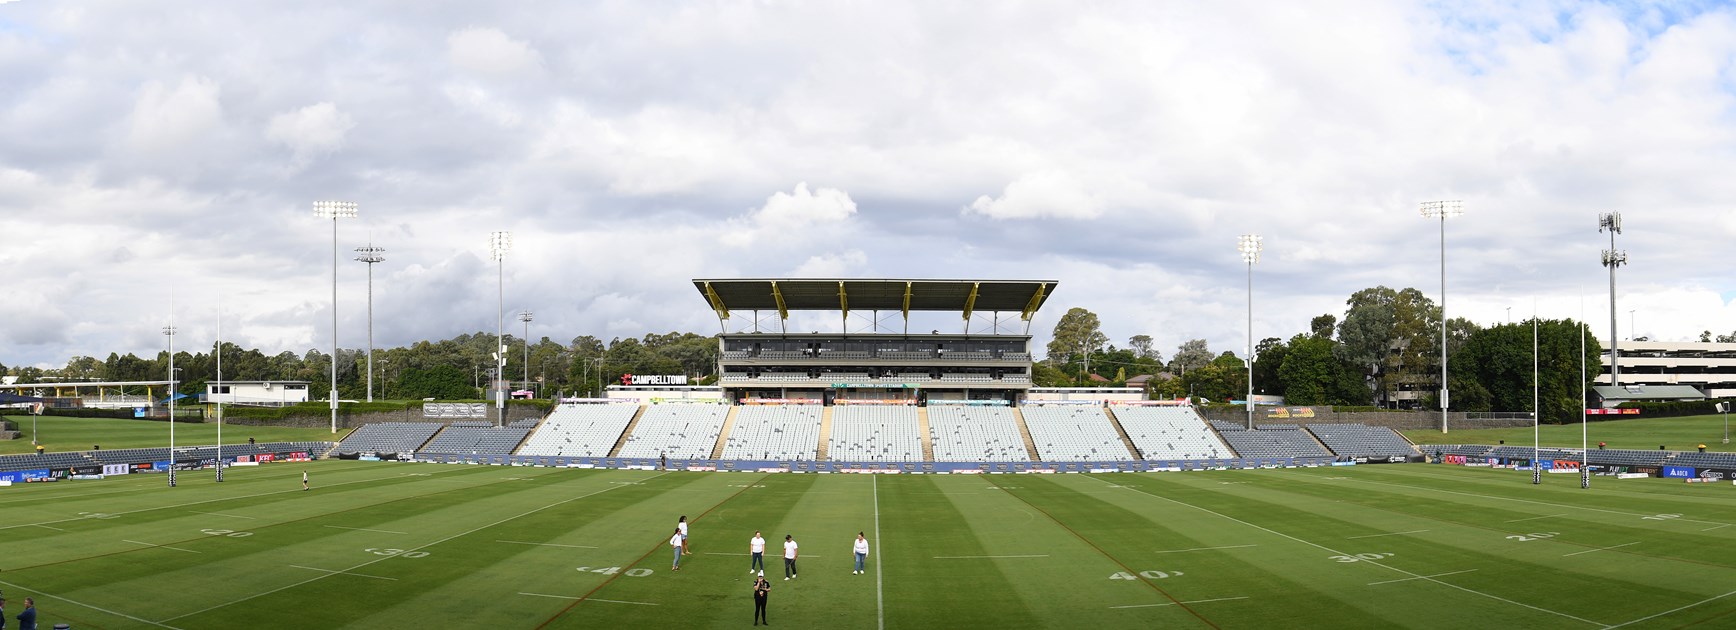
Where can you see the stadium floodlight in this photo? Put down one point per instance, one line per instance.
(370, 255)
(334, 210)
(169, 331)
(1443, 210)
(1612, 258)
(525, 316)
(499, 243)
(1250, 246)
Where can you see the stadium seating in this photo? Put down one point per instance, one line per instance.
(475, 440)
(389, 437)
(967, 433)
(1263, 443)
(1725, 461)
(1360, 440)
(1170, 433)
(774, 433)
(677, 431)
(875, 433)
(586, 430)
(1227, 426)
(1074, 433)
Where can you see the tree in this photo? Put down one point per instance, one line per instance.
(1387, 332)
(1223, 378)
(1322, 326)
(1499, 361)
(1313, 375)
(1191, 354)
(1078, 333)
(1143, 349)
(444, 382)
(1268, 357)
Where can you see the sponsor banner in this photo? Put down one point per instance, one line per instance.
(1632, 476)
(698, 468)
(86, 477)
(454, 410)
(116, 469)
(1678, 472)
(1612, 412)
(875, 386)
(245, 464)
(967, 471)
(1716, 474)
(264, 458)
(22, 476)
(781, 401)
(772, 470)
(292, 457)
(1144, 403)
(87, 470)
(1562, 471)
(874, 401)
(5, 483)
(1700, 480)
(1343, 463)
(653, 379)
(1290, 412)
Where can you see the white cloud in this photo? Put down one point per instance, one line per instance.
(490, 53)
(313, 131)
(1050, 194)
(841, 265)
(169, 121)
(787, 216)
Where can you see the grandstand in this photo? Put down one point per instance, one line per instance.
(1289, 441)
(580, 430)
(677, 431)
(389, 437)
(875, 433)
(1357, 440)
(476, 440)
(1170, 432)
(1074, 433)
(775, 432)
(962, 433)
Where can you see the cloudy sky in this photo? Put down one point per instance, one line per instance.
(1117, 147)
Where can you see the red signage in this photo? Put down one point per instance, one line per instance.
(1613, 412)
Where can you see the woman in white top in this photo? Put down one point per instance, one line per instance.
(681, 528)
(757, 548)
(861, 553)
(675, 543)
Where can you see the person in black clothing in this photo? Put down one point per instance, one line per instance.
(27, 619)
(761, 588)
(2, 613)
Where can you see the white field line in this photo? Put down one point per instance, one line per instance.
(159, 546)
(1414, 531)
(1716, 527)
(1531, 501)
(345, 573)
(1374, 563)
(1204, 549)
(182, 505)
(416, 548)
(364, 529)
(47, 527)
(47, 597)
(520, 542)
(588, 599)
(717, 553)
(988, 557)
(1521, 520)
(1197, 601)
(1672, 610)
(879, 569)
(1601, 549)
(1418, 578)
(220, 514)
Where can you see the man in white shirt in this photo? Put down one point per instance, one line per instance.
(789, 557)
(861, 553)
(757, 548)
(675, 543)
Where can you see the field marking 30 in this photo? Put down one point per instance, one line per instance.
(1197, 601)
(1335, 551)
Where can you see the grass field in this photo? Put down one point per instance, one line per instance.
(381, 545)
(1677, 434)
(79, 434)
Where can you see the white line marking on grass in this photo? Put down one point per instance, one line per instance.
(1531, 501)
(721, 553)
(1414, 531)
(1374, 563)
(48, 597)
(219, 514)
(156, 545)
(345, 573)
(1197, 601)
(1204, 549)
(1420, 577)
(1672, 610)
(1716, 527)
(879, 593)
(364, 529)
(416, 548)
(591, 599)
(1521, 520)
(1601, 549)
(47, 527)
(520, 542)
(980, 557)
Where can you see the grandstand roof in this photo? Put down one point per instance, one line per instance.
(820, 294)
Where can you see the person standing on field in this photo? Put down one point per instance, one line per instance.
(304, 479)
(789, 557)
(761, 589)
(675, 543)
(681, 527)
(27, 619)
(756, 547)
(861, 553)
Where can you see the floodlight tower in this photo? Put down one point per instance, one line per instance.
(525, 316)
(1612, 258)
(370, 255)
(499, 243)
(169, 331)
(1443, 210)
(1249, 245)
(334, 210)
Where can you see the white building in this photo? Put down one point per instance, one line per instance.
(264, 393)
(1708, 367)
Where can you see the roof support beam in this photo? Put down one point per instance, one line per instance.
(1036, 301)
(970, 301)
(844, 306)
(907, 292)
(778, 296)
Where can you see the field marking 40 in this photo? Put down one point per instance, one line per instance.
(639, 572)
(226, 532)
(1360, 557)
(1150, 575)
(396, 552)
(1533, 536)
